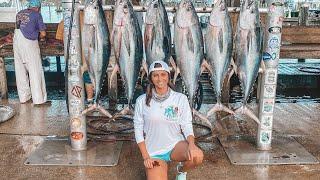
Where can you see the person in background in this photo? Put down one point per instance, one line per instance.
(163, 127)
(84, 69)
(27, 58)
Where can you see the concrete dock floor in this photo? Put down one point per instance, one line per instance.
(22, 134)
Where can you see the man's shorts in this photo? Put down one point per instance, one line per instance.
(86, 78)
(165, 156)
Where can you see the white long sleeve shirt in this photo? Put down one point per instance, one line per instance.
(161, 122)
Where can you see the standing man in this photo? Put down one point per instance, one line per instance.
(27, 59)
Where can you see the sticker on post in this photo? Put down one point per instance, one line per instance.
(267, 106)
(271, 76)
(277, 3)
(75, 123)
(74, 79)
(269, 91)
(266, 122)
(275, 30)
(76, 91)
(76, 135)
(274, 43)
(266, 56)
(265, 137)
(274, 56)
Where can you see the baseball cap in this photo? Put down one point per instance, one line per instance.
(34, 3)
(164, 66)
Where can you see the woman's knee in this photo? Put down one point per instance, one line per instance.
(197, 160)
(158, 172)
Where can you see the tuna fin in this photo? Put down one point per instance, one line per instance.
(144, 70)
(204, 120)
(233, 66)
(204, 66)
(153, 36)
(173, 63)
(89, 109)
(97, 107)
(127, 40)
(249, 39)
(245, 110)
(103, 111)
(117, 46)
(124, 112)
(111, 37)
(220, 40)
(114, 73)
(262, 67)
(175, 76)
(219, 107)
(167, 44)
(259, 42)
(190, 41)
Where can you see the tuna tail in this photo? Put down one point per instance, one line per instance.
(97, 107)
(124, 112)
(219, 107)
(204, 120)
(245, 110)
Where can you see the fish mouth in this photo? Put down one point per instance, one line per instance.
(250, 4)
(189, 7)
(125, 9)
(155, 6)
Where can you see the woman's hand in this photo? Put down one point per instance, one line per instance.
(192, 151)
(150, 163)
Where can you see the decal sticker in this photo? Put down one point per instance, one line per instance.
(275, 30)
(77, 135)
(265, 137)
(268, 105)
(271, 76)
(266, 56)
(75, 123)
(269, 91)
(277, 3)
(76, 91)
(266, 122)
(274, 43)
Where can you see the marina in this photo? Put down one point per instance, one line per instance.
(264, 124)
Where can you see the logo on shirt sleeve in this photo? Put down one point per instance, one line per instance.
(171, 113)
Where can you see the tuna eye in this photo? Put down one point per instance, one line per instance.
(125, 6)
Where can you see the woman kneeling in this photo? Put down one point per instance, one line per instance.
(163, 127)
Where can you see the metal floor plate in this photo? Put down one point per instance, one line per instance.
(241, 150)
(57, 151)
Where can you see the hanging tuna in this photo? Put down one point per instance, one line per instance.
(96, 47)
(248, 51)
(128, 49)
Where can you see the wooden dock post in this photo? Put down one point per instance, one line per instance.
(3, 80)
(303, 15)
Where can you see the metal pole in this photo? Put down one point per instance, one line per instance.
(271, 55)
(174, 9)
(3, 80)
(78, 130)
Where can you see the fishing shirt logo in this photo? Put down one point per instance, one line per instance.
(171, 113)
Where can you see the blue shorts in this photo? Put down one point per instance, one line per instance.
(165, 157)
(86, 78)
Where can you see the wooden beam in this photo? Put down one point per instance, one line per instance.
(301, 34)
(3, 80)
(300, 51)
